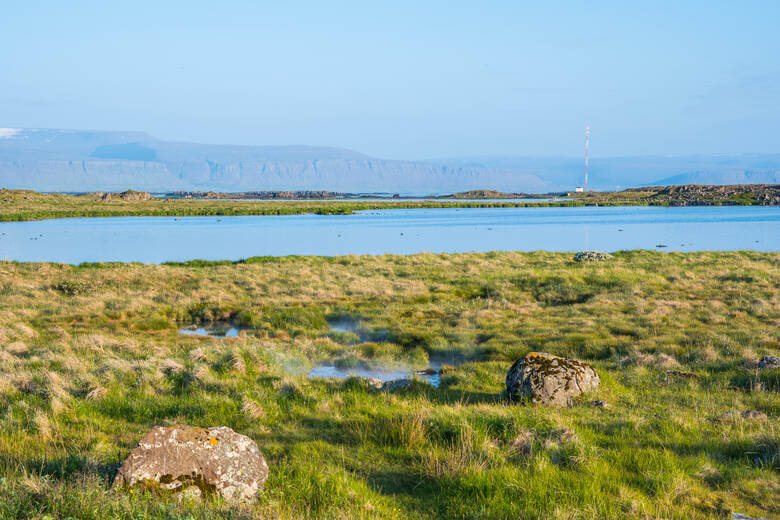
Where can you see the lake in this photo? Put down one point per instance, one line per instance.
(398, 231)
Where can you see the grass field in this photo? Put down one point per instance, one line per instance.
(91, 359)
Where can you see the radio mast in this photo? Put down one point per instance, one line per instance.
(587, 143)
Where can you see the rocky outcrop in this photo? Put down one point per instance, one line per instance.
(134, 195)
(709, 195)
(196, 462)
(486, 194)
(125, 195)
(592, 256)
(262, 195)
(545, 379)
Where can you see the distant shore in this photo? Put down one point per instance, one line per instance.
(18, 205)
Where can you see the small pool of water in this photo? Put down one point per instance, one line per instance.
(212, 331)
(431, 376)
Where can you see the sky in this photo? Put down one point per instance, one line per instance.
(402, 79)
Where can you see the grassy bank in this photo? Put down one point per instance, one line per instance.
(91, 359)
(16, 205)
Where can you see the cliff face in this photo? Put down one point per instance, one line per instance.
(56, 160)
(338, 175)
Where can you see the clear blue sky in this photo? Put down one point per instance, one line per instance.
(402, 79)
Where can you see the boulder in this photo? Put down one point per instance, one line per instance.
(196, 462)
(396, 385)
(546, 379)
(592, 256)
(769, 362)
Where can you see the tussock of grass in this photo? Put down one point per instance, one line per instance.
(675, 338)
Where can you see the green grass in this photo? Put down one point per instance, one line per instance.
(91, 360)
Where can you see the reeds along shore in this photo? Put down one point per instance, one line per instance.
(91, 359)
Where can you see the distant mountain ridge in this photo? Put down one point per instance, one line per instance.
(738, 176)
(70, 160)
(615, 173)
(78, 161)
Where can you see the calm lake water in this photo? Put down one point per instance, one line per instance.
(159, 239)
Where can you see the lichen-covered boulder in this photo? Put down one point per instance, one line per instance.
(546, 379)
(196, 462)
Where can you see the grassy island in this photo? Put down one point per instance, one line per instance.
(92, 358)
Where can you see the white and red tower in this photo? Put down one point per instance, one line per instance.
(587, 144)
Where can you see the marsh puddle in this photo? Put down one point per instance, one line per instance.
(214, 331)
(429, 375)
(344, 324)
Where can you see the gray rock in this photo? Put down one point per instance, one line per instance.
(592, 256)
(548, 379)
(210, 460)
(739, 516)
(769, 362)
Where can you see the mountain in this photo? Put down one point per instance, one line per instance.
(611, 173)
(78, 161)
(72, 160)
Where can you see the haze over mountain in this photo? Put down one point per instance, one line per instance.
(71, 160)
